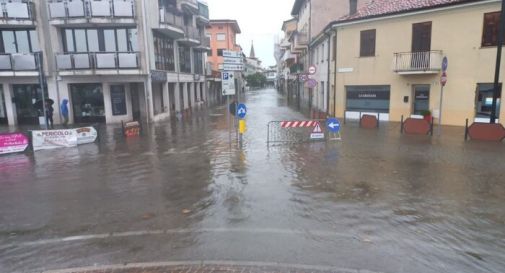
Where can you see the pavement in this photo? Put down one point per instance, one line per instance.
(376, 201)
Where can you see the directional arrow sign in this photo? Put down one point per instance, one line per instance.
(333, 125)
(228, 60)
(241, 111)
(233, 67)
(232, 54)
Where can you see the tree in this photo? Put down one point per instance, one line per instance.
(256, 80)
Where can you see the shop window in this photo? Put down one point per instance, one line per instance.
(373, 98)
(484, 100)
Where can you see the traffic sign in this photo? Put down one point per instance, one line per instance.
(445, 64)
(230, 60)
(232, 54)
(241, 111)
(312, 70)
(304, 77)
(443, 79)
(333, 125)
(232, 67)
(311, 83)
(228, 83)
(317, 133)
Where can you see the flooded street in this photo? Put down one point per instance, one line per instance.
(376, 201)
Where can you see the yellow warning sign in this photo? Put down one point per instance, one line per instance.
(242, 126)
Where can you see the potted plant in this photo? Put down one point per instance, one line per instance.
(426, 115)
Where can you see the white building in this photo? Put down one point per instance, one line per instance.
(115, 60)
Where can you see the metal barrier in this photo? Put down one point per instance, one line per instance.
(294, 131)
(412, 126)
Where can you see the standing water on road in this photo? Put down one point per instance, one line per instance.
(376, 201)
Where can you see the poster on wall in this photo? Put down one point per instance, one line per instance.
(86, 135)
(13, 143)
(118, 100)
(53, 139)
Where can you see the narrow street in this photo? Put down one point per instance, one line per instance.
(376, 201)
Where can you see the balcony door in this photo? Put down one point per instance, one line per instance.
(421, 45)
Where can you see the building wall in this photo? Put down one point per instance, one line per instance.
(228, 43)
(457, 32)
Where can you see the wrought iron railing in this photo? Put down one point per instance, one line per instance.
(422, 61)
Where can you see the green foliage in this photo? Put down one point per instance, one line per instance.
(256, 80)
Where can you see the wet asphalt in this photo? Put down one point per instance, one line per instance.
(376, 200)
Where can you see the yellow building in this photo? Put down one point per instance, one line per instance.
(388, 58)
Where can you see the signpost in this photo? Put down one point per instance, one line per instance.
(311, 83)
(443, 82)
(312, 69)
(241, 111)
(333, 126)
(317, 133)
(232, 61)
(228, 84)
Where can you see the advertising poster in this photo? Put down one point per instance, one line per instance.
(13, 143)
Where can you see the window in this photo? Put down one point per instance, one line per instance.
(367, 44)
(322, 53)
(18, 41)
(100, 40)
(220, 52)
(490, 32)
(334, 49)
(353, 6)
(484, 100)
(198, 62)
(164, 53)
(221, 37)
(185, 59)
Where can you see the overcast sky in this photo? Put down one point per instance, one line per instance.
(259, 20)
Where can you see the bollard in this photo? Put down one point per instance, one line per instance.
(431, 126)
(466, 130)
(378, 119)
(401, 125)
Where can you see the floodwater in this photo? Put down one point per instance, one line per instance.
(376, 201)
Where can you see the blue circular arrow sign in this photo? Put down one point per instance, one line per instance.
(241, 111)
(333, 125)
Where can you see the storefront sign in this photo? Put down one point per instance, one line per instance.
(52, 139)
(118, 100)
(158, 76)
(13, 143)
(86, 135)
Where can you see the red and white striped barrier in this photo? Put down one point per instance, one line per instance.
(299, 124)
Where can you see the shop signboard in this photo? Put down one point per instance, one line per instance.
(53, 139)
(13, 143)
(86, 135)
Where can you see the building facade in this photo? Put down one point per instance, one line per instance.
(379, 71)
(114, 60)
(223, 37)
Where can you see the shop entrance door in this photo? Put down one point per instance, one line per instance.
(3, 113)
(421, 99)
(87, 103)
(26, 97)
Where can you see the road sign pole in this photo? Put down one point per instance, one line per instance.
(440, 110)
(499, 43)
(39, 58)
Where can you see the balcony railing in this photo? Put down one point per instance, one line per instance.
(91, 9)
(204, 41)
(171, 17)
(192, 33)
(18, 62)
(418, 62)
(17, 10)
(97, 60)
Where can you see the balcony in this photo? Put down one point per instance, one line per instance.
(171, 23)
(17, 13)
(191, 36)
(190, 6)
(102, 63)
(203, 14)
(301, 41)
(414, 63)
(18, 64)
(112, 12)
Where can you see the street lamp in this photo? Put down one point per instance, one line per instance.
(499, 42)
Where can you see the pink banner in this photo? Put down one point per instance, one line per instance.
(13, 143)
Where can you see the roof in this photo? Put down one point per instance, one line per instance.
(377, 8)
(296, 7)
(236, 27)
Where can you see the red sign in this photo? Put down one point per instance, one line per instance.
(443, 79)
